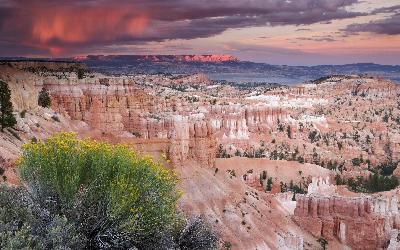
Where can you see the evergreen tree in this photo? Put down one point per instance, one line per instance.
(289, 131)
(269, 184)
(7, 118)
(80, 73)
(44, 98)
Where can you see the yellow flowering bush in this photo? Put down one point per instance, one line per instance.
(140, 194)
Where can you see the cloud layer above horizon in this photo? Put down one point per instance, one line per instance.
(66, 28)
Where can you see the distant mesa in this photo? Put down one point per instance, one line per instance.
(159, 58)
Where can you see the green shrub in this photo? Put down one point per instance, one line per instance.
(83, 194)
(23, 113)
(387, 169)
(227, 245)
(197, 235)
(374, 183)
(80, 73)
(27, 224)
(313, 136)
(323, 242)
(357, 161)
(55, 118)
(139, 195)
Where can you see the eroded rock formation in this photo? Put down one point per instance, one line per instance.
(359, 222)
(119, 105)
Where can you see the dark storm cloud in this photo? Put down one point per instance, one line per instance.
(387, 26)
(64, 26)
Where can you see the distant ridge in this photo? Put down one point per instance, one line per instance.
(219, 67)
(159, 58)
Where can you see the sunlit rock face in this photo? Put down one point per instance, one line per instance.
(321, 186)
(359, 222)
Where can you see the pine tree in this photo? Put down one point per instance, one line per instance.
(289, 131)
(7, 118)
(269, 184)
(44, 98)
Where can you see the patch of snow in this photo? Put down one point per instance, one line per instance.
(276, 101)
(213, 86)
(320, 120)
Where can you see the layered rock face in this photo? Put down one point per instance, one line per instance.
(239, 121)
(118, 107)
(361, 223)
(370, 87)
(116, 104)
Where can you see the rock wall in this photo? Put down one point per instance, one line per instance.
(118, 105)
(370, 87)
(361, 223)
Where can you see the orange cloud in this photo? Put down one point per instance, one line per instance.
(72, 26)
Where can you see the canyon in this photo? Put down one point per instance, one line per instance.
(259, 162)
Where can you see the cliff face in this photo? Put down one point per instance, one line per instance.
(118, 108)
(361, 223)
(116, 104)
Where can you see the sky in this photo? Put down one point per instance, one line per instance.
(291, 32)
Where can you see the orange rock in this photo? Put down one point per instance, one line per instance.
(350, 220)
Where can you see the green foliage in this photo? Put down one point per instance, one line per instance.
(269, 184)
(227, 245)
(80, 73)
(83, 194)
(378, 183)
(313, 136)
(197, 235)
(44, 98)
(387, 169)
(323, 242)
(357, 161)
(55, 118)
(264, 174)
(356, 137)
(281, 127)
(23, 113)
(232, 173)
(374, 183)
(221, 153)
(339, 180)
(140, 193)
(7, 118)
(302, 189)
(332, 165)
(289, 131)
(26, 223)
(60, 233)
(19, 239)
